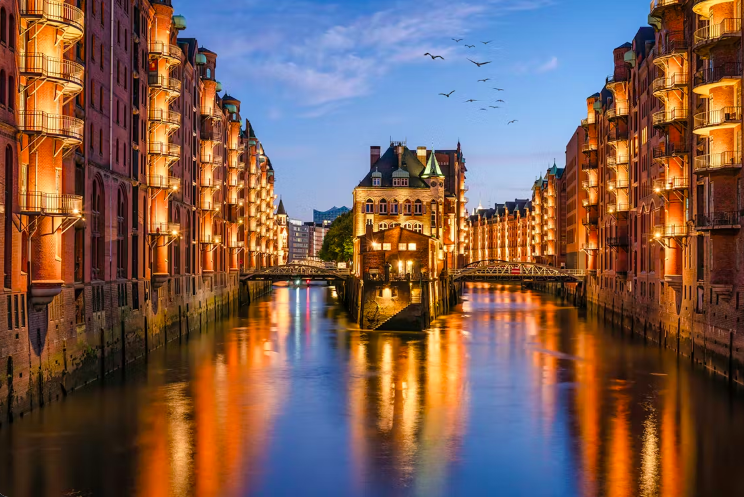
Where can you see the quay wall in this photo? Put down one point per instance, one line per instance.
(90, 331)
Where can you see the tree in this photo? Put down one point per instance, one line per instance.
(338, 245)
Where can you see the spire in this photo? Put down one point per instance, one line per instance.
(280, 211)
(432, 167)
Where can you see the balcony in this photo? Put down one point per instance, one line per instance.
(211, 130)
(666, 151)
(165, 229)
(659, 6)
(671, 184)
(211, 239)
(208, 182)
(617, 184)
(726, 117)
(618, 241)
(172, 53)
(68, 19)
(722, 75)
(617, 135)
(619, 79)
(588, 184)
(617, 112)
(585, 123)
(213, 158)
(718, 221)
(590, 221)
(157, 182)
(617, 208)
(671, 231)
(69, 75)
(588, 148)
(209, 206)
(723, 162)
(676, 81)
(164, 83)
(727, 31)
(65, 128)
(589, 247)
(169, 118)
(675, 45)
(589, 201)
(590, 163)
(50, 204)
(618, 160)
(666, 117)
(170, 150)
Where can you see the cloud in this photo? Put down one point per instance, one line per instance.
(550, 65)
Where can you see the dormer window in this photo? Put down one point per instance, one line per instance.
(376, 181)
(400, 181)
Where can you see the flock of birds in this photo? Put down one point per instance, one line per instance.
(484, 80)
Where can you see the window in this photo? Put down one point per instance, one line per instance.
(383, 226)
(93, 44)
(97, 216)
(402, 247)
(411, 246)
(8, 247)
(100, 98)
(386, 246)
(3, 26)
(3, 90)
(11, 93)
(394, 208)
(383, 206)
(117, 150)
(407, 208)
(369, 207)
(11, 31)
(376, 181)
(121, 235)
(100, 52)
(92, 137)
(418, 208)
(418, 228)
(100, 141)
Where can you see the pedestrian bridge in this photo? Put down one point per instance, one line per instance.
(292, 272)
(496, 270)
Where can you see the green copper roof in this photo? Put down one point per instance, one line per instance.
(432, 167)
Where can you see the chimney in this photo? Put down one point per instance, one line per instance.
(374, 155)
(399, 151)
(421, 153)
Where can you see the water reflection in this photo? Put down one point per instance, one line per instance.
(514, 394)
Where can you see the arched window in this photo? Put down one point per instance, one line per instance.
(117, 150)
(8, 261)
(383, 226)
(394, 208)
(383, 206)
(408, 226)
(209, 73)
(121, 234)
(418, 208)
(407, 205)
(418, 228)
(96, 226)
(3, 26)
(11, 31)
(433, 217)
(11, 93)
(369, 207)
(3, 89)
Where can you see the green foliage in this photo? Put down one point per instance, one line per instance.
(338, 245)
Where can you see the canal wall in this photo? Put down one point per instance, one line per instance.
(707, 332)
(90, 331)
(397, 305)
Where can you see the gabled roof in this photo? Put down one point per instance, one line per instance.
(280, 211)
(387, 164)
(432, 167)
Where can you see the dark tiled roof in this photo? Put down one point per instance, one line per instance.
(387, 164)
(206, 50)
(280, 211)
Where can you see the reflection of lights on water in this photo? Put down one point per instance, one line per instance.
(649, 457)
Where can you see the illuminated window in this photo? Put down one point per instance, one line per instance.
(376, 181)
(402, 247)
(394, 208)
(387, 246)
(418, 228)
(411, 246)
(383, 226)
(383, 206)
(369, 207)
(407, 208)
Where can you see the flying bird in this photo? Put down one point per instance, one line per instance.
(510, 122)
(494, 106)
(499, 89)
(471, 100)
(499, 100)
(433, 56)
(448, 95)
(479, 63)
(484, 109)
(486, 42)
(484, 80)
(457, 40)
(470, 46)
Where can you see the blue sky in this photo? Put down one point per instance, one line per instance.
(321, 81)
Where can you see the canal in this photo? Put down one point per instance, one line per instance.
(516, 393)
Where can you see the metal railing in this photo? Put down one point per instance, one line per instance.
(211, 130)
(211, 239)
(712, 75)
(717, 117)
(718, 161)
(670, 230)
(213, 158)
(155, 80)
(617, 135)
(166, 50)
(666, 83)
(589, 120)
(54, 11)
(51, 67)
(50, 204)
(167, 149)
(668, 150)
(589, 147)
(658, 4)
(164, 182)
(669, 116)
(676, 183)
(714, 32)
(56, 125)
(618, 241)
(722, 219)
(165, 116)
(674, 43)
(618, 160)
(207, 205)
(165, 229)
(586, 184)
(617, 111)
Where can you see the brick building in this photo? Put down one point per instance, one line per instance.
(503, 233)
(134, 196)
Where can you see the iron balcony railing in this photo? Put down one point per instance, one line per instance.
(718, 117)
(619, 110)
(50, 204)
(589, 120)
(589, 247)
(590, 220)
(170, 117)
(55, 12)
(589, 201)
(211, 130)
(718, 161)
(617, 135)
(663, 117)
(207, 182)
(714, 32)
(166, 149)
(587, 184)
(670, 231)
(63, 127)
(667, 83)
(41, 65)
(155, 80)
(657, 5)
(208, 205)
(711, 75)
(673, 43)
(164, 182)
(722, 219)
(677, 183)
(589, 147)
(165, 229)
(211, 239)
(618, 160)
(211, 158)
(160, 49)
(669, 150)
(618, 241)
(622, 75)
